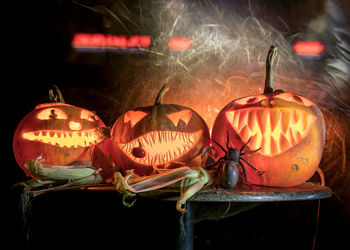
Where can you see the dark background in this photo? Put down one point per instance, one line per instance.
(38, 52)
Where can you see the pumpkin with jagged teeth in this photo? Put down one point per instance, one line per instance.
(162, 135)
(288, 129)
(59, 132)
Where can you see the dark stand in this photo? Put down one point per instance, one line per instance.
(152, 207)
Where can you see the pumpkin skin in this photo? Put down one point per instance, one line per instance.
(288, 128)
(60, 132)
(163, 135)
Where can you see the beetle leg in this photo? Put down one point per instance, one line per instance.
(215, 163)
(244, 173)
(248, 163)
(222, 148)
(244, 145)
(227, 141)
(250, 152)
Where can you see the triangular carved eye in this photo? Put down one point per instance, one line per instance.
(134, 117)
(184, 115)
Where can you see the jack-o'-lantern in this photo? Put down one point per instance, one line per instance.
(59, 132)
(288, 129)
(158, 136)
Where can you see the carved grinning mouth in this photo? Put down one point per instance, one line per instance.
(74, 139)
(274, 130)
(161, 146)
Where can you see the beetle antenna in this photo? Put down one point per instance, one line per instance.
(222, 148)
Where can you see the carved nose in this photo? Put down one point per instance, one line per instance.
(75, 125)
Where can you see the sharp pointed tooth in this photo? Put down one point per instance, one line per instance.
(284, 142)
(154, 137)
(244, 133)
(255, 142)
(297, 136)
(252, 121)
(160, 137)
(163, 158)
(43, 133)
(297, 115)
(305, 121)
(242, 120)
(145, 140)
(293, 119)
(275, 118)
(261, 120)
(230, 116)
(273, 146)
(175, 155)
(285, 121)
(235, 123)
(290, 136)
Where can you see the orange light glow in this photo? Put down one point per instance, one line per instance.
(179, 43)
(75, 125)
(87, 115)
(61, 138)
(184, 115)
(273, 130)
(134, 117)
(161, 146)
(308, 48)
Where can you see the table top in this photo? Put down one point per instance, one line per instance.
(305, 191)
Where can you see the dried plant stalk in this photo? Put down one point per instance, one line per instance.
(189, 180)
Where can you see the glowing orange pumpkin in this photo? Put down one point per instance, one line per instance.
(162, 135)
(288, 128)
(60, 132)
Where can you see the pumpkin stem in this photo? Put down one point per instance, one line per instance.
(269, 73)
(58, 97)
(161, 93)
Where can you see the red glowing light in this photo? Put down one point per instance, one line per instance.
(100, 41)
(179, 43)
(308, 48)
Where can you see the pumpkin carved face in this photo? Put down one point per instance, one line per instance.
(60, 132)
(288, 129)
(166, 135)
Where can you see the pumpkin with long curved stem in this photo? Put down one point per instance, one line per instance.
(288, 129)
(59, 132)
(162, 135)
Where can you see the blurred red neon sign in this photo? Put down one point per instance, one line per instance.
(308, 48)
(100, 41)
(179, 43)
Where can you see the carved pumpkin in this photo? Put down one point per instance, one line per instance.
(162, 135)
(288, 128)
(60, 132)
